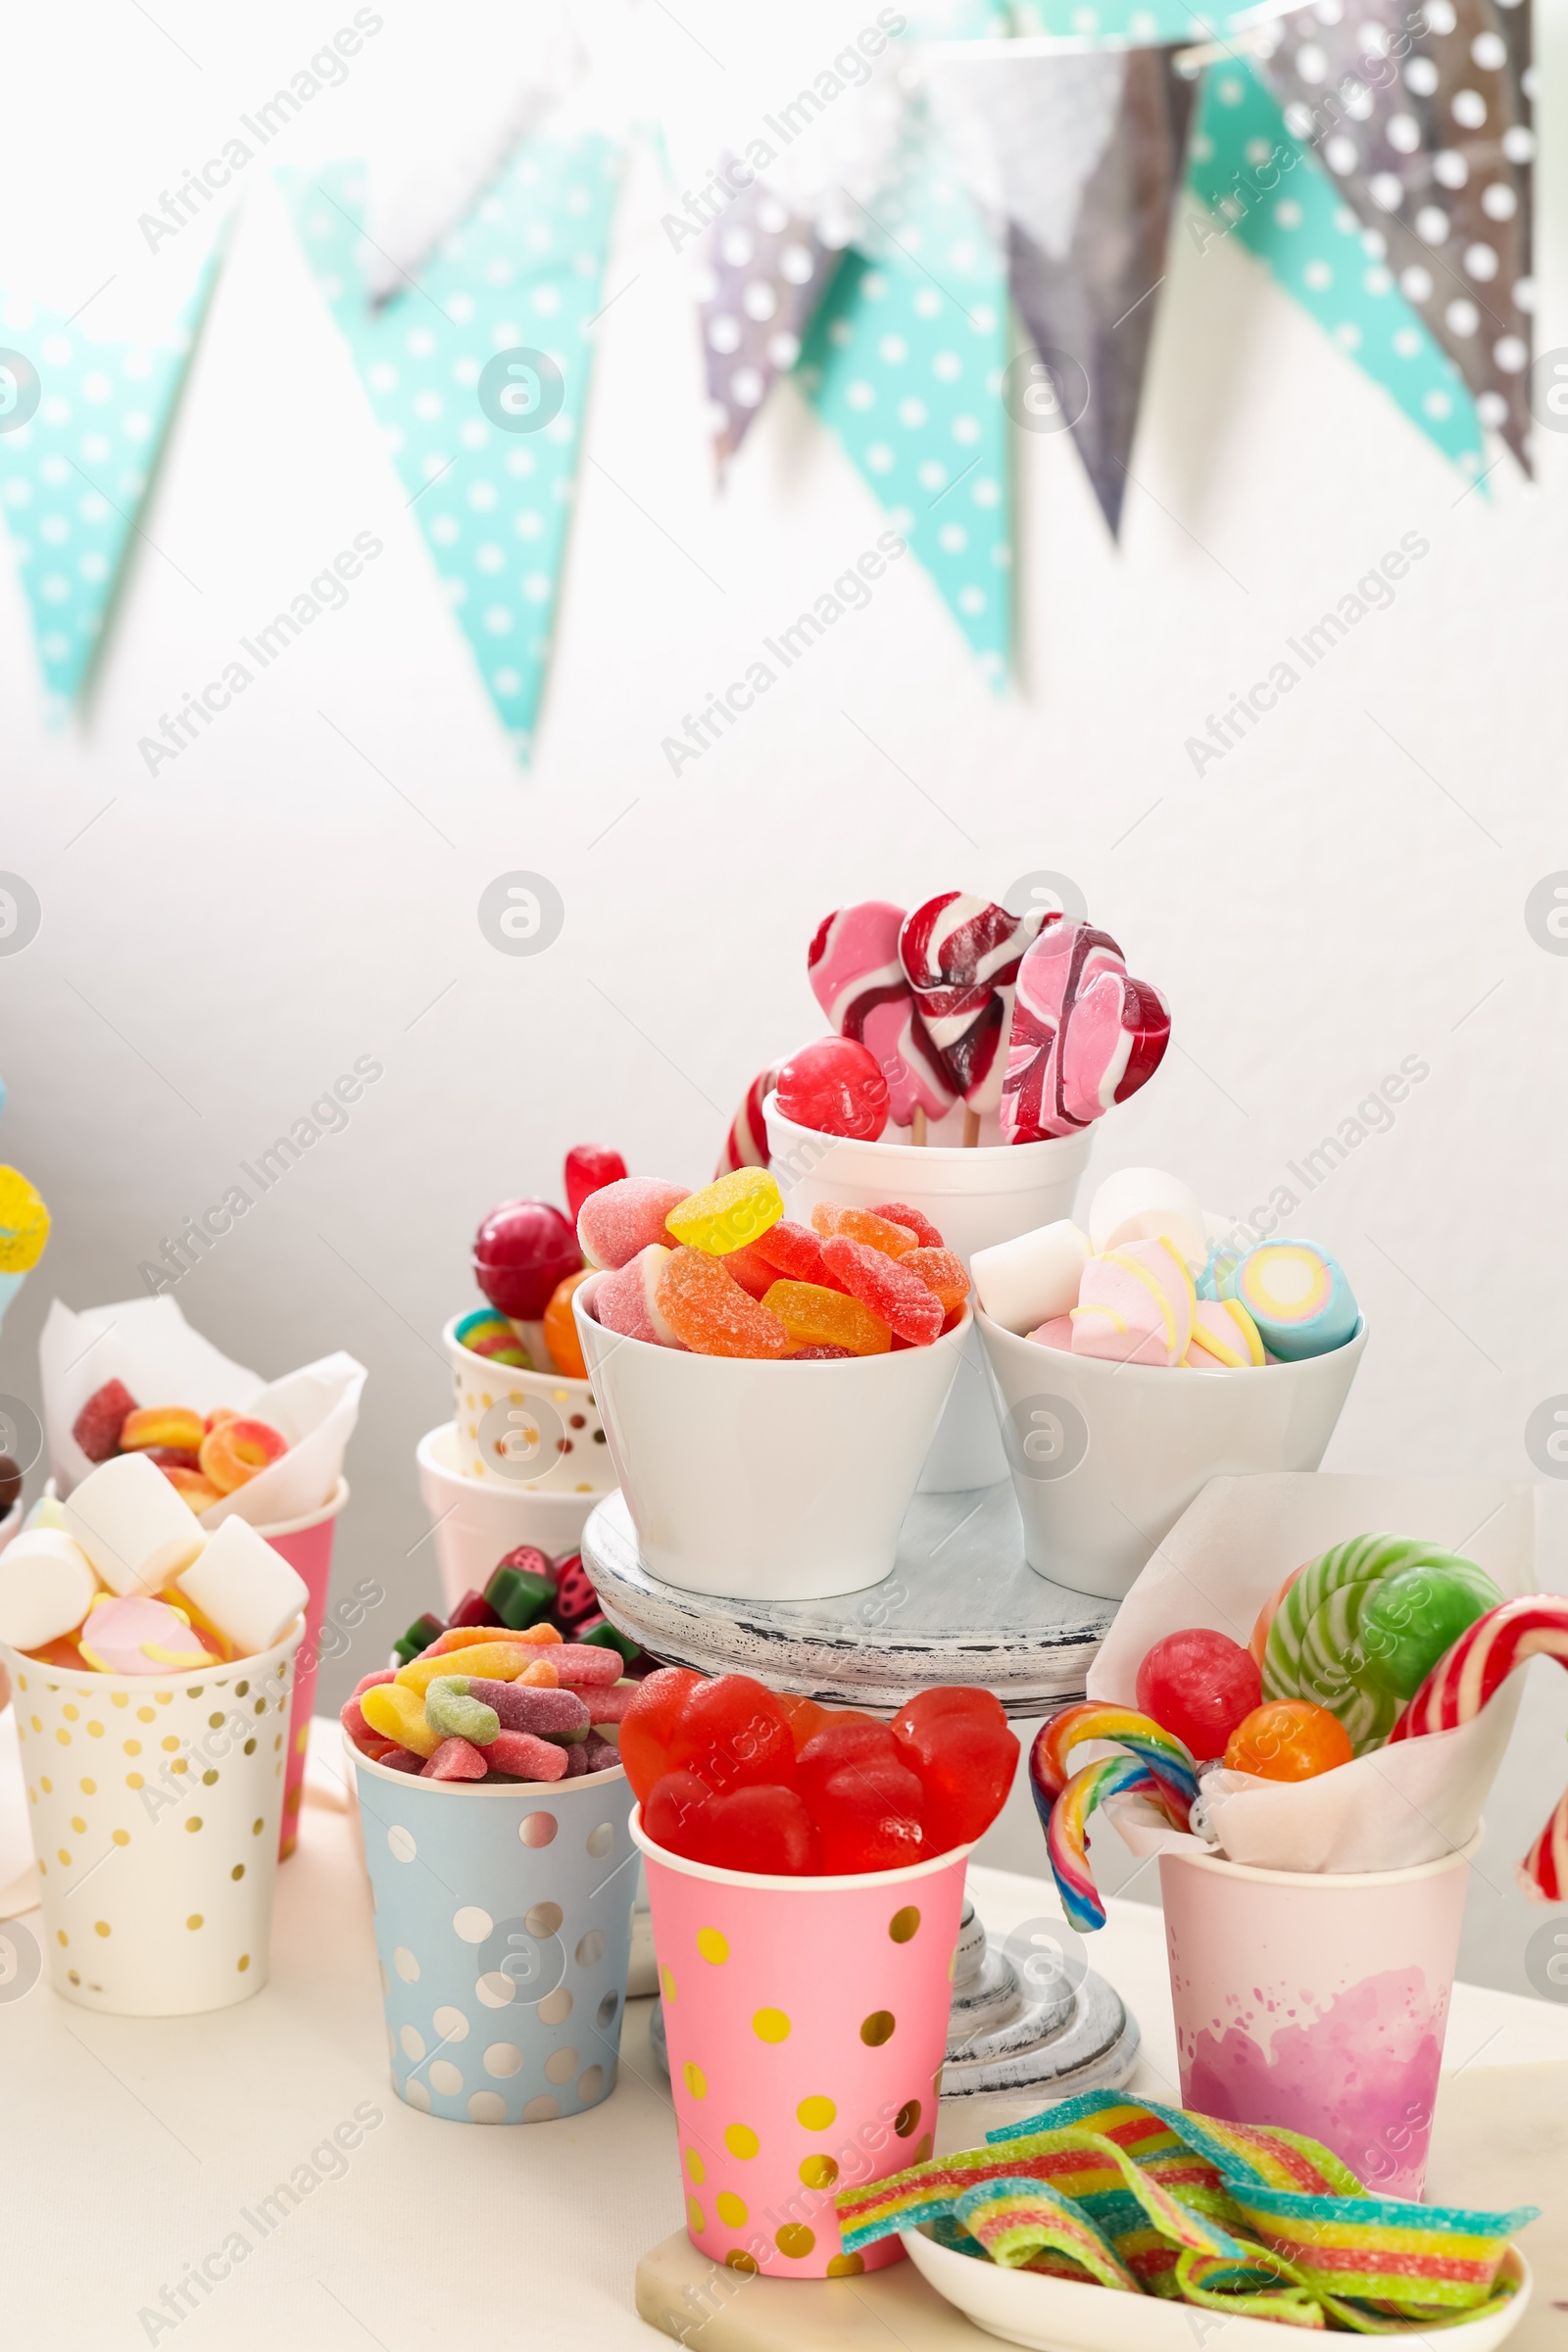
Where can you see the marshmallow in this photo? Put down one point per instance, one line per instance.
(1142, 1205)
(1298, 1297)
(47, 1512)
(1055, 1332)
(136, 1635)
(46, 1587)
(244, 1587)
(1026, 1282)
(1135, 1306)
(1224, 1333)
(133, 1525)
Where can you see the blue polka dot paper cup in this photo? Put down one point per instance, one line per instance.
(502, 1929)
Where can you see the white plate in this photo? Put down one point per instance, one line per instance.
(1060, 2315)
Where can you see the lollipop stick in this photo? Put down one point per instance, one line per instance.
(971, 1127)
(917, 1124)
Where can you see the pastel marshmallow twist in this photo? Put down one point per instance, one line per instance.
(1135, 1306)
(1298, 1297)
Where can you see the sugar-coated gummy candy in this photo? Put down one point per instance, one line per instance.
(900, 1299)
(504, 1660)
(957, 1743)
(578, 1761)
(1288, 1740)
(451, 1709)
(834, 1085)
(456, 1759)
(521, 1251)
(711, 1314)
(1199, 1684)
(97, 1427)
(820, 1354)
(649, 1726)
(398, 1713)
(943, 1273)
(351, 1717)
(561, 1327)
(863, 1225)
(598, 1754)
(816, 1317)
(400, 1759)
(626, 1302)
(368, 1681)
(526, 1757)
(164, 1425)
(792, 1251)
(540, 1675)
(732, 1730)
(728, 1213)
(612, 1705)
(617, 1222)
(750, 1269)
(589, 1168)
(535, 1641)
(899, 1212)
(518, 1595)
(558, 1715)
(587, 1665)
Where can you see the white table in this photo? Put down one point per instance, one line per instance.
(133, 2148)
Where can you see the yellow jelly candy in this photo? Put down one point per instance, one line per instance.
(496, 1661)
(24, 1223)
(398, 1714)
(816, 1317)
(726, 1216)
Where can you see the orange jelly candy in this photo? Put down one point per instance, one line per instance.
(942, 1271)
(560, 1330)
(710, 1314)
(816, 1317)
(1288, 1740)
(863, 1225)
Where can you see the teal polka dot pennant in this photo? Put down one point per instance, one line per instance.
(904, 360)
(74, 470)
(1140, 21)
(1265, 188)
(479, 379)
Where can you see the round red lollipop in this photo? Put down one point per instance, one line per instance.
(521, 1251)
(589, 1168)
(1200, 1685)
(835, 1086)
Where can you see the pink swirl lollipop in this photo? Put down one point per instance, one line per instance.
(1084, 1034)
(855, 975)
(746, 1144)
(961, 956)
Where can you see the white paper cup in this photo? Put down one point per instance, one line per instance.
(475, 1522)
(1106, 1458)
(975, 1199)
(767, 1480)
(155, 1808)
(538, 1432)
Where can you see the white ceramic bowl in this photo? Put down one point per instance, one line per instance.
(476, 1521)
(975, 1199)
(767, 1480)
(1106, 1458)
(539, 1431)
(1064, 2315)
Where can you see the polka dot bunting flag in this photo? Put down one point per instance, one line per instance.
(486, 444)
(74, 474)
(1313, 241)
(762, 271)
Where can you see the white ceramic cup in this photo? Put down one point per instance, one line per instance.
(536, 1431)
(1106, 1458)
(476, 1521)
(759, 1480)
(975, 1199)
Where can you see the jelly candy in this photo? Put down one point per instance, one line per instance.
(823, 1354)
(97, 1427)
(837, 1747)
(731, 1732)
(615, 1224)
(672, 1808)
(863, 1225)
(597, 1632)
(713, 1314)
(521, 1251)
(870, 1817)
(589, 1168)
(560, 1715)
(521, 1589)
(471, 1610)
(728, 1213)
(561, 1327)
(598, 1755)
(456, 1759)
(815, 1319)
(419, 1635)
(648, 1728)
(957, 1743)
(575, 1597)
(528, 1758)
(750, 1269)
(804, 1715)
(900, 1299)
(1198, 1685)
(589, 1665)
(899, 1212)
(792, 1251)
(398, 1713)
(626, 1302)
(451, 1710)
(1288, 1740)
(835, 1086)
(942, 1272)
(762, 1828)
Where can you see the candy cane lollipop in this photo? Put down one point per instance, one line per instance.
(853, 964)
(746, 1144)
(961, 956)
(1470, 1674)
(1067, 1830)
(1084, 1034)
(1163, 1757)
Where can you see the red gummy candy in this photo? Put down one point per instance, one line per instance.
(1200, 1685)
(575, 1598)
(733, 1733)
(649, 1729)
(957, 1744)
(97, 1427)
(674, 1809)
(820, 1353)
(521, 1252)
(530, 1560)
(837, 1747)
(472, 1609)
(872, 1817)
(589, 1168)
(901, 1299)
(750, 1269)
(834, 1085)
(761, 1828)
(899, 1212)
(796, 1252)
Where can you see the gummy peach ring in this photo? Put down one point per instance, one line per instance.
(235, 1450)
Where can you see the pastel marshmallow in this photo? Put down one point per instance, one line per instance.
(1057, 1333)
(136, 1530)
(1224, 1333)
(245, 1588)
(626, 1302)
(135, 1635)
(1135, 1306)
(1026, 1282)
(1298, 1297)
(1141, 1205)
(47, 1585)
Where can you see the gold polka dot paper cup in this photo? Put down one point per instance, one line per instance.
(502, 1929)
(806, 2021)
(537, 1432)
(155, 1809)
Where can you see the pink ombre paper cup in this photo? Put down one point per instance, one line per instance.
(806, 2022)
(1317, 2000)
(307, 1546)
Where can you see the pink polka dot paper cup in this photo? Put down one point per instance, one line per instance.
(806, 2022)
(154, 1808)
(502, 1929)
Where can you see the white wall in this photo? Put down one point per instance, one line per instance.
(1344, 892)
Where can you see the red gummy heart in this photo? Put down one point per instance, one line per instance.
(648, 1728)
(733, 1733)
(761, 1828)
(673, 1809)
(957, 1744)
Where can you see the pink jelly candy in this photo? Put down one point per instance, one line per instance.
(528, 1757)
(455, 1760)
(618, 1220)
(879, 1281)
(586, 1665)
(627, 1301)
